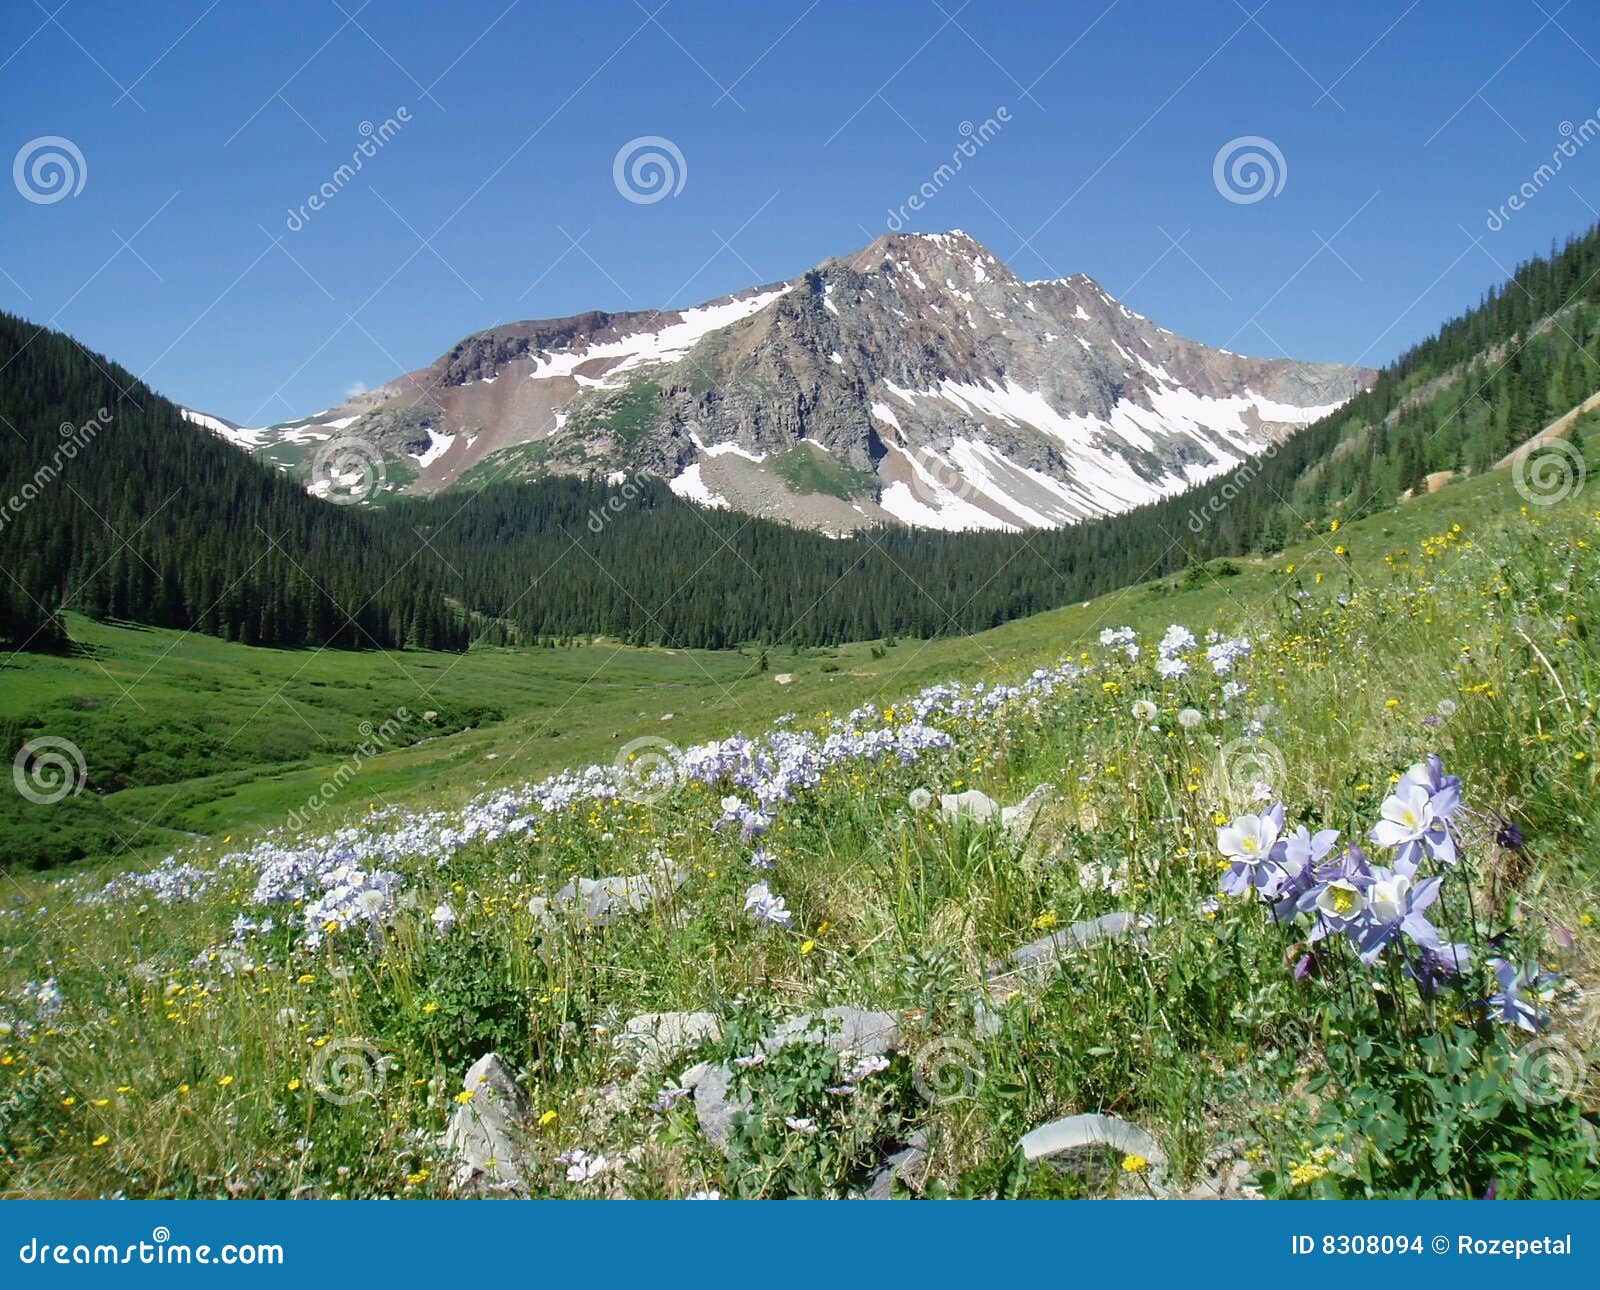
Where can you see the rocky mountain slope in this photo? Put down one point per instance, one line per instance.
(916, 381)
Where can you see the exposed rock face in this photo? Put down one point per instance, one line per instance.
(916, 381)
(653, 1039)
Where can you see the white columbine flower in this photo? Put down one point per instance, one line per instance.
(1249, 839)
(1388, 897)
(1407, 815)
(1341, 901)
(444, 918)
(764, 907)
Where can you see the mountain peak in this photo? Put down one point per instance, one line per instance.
(915, 381)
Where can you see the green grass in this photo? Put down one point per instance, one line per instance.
(810, 470)
(1456, 623)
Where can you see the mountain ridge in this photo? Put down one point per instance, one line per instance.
(915, 381)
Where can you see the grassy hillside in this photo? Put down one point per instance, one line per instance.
(295, 1019)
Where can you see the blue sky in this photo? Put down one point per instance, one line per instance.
(202, 126)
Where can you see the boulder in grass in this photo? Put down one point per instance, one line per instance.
(594, 902)
(978, 805)
(845, 1030)
(486, 1133)
(908, 1164)
(715, 1103)
(654, 1039)
(1039, 960)
(1095, 1145)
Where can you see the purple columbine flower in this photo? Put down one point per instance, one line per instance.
(1250, 843)
(1337, 893)
(1431, 969)
(1396, 906)
(1521, 990)
(1299, 855)
(1417, 815)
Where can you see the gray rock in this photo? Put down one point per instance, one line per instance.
(906, 1164)
(594, 902)
(852, 1030)
(1038, 960)
(1094, 1143)
(485, 1135)
(655, 1038)
(714, 1108)
(980, 806)
(855, 1030)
